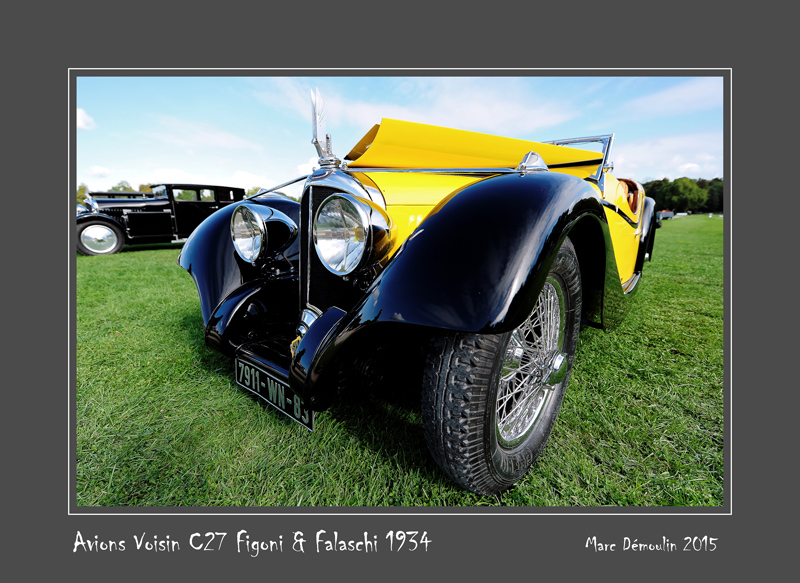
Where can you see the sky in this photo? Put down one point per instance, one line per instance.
(256, 131)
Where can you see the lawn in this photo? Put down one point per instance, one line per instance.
(160, 421)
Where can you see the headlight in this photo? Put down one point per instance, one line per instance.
(341, 233)
(248, 233)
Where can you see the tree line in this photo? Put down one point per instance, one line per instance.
(121, 186)
(686, 194)
(679, 195)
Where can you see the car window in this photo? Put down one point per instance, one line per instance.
(183, 194)
(206, 194)
(225, 194)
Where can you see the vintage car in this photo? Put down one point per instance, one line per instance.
(459, 262)
(109, 220)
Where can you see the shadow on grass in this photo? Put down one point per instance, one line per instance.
(387, 422)
(151, 247)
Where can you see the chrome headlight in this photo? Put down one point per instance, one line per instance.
(248, 234)
(341, 233)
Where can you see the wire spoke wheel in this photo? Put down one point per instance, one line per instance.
(523, 391)
(490, 400)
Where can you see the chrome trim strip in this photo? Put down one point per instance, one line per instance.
(274, 188)
(528, 162)
(337, 179)
(611, 205)
(309, 242)
(606, 139)
(375, 195)
(630, 285)
(437, 170)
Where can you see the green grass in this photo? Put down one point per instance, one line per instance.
(160, 421)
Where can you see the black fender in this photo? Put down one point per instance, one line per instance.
(232, 291)
(102, 218)
(648, 234)
(476, 264)
(479, 261)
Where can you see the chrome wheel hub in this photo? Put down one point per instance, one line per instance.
(532, 357)
(99, 239)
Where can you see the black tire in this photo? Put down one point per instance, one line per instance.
(99, 238)
(463, 389)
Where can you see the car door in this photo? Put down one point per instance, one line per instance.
(226, 195)
(191, 206)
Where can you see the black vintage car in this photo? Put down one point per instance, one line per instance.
(169, 213)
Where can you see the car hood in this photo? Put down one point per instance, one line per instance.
(403, 144)
(131, 203)
(395, 144)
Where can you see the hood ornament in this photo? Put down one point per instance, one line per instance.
(324, 150)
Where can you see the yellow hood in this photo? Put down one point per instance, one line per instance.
(404, 144)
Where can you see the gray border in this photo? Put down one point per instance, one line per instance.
(42, 532)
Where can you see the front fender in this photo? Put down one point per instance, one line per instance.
(229, 288)
(209, 257)
(101, 217)
(649, 226)
(476, 264)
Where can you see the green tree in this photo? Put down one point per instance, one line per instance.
(81, 194)
(144, 188)
(714, 202)
(122, 186)
(686, 195)
(253, 190)
(658, 190)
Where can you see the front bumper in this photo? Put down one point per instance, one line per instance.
(295, 370)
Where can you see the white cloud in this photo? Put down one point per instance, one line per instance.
(239, 178)
(697, 155)
(308, 167)
(84, 121)
(244, 179)
(504, 106)
(689, 168)
(174, 175)
(189, 134)
(286, 93)
(694, 95)
(99, 171)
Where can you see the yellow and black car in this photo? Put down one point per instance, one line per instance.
(456, 263)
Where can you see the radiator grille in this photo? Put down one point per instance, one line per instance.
(318, 286)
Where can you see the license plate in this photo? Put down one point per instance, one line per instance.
(273, 391)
